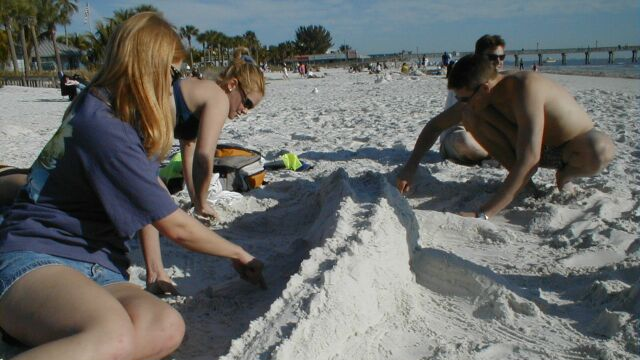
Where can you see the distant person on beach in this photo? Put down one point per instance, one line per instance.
(63, 253)
(404, 68)
(521, 64)
(525, 121)
(456, 143)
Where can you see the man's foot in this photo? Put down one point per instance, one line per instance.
(561, 180)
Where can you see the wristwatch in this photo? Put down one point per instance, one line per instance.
(481, 215)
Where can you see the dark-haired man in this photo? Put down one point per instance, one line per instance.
(456, 143)
(524, 121)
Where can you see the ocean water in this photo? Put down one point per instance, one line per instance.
(622, 68)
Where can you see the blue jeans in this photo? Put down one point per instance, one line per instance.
(16, 264)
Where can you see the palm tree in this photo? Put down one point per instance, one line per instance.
(34, 38)
(202, 39)
(213, 40)
(313, 39)
(4, 48)
(344, 48)
(67, 9)
(7, 13)
(49, 16)
(100, 38)
(25, 51)
(186, 32)
(82, 42)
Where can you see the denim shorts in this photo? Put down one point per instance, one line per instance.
(16, 264)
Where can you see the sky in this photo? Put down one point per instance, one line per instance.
(388, 26)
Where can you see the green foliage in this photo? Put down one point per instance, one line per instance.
(4, 47)
(313, 39)
(100, 37)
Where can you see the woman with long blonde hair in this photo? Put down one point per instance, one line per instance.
(63, 253)
(202, 106)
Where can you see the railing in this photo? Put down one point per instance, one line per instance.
(32, 81)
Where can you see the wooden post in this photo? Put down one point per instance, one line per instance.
(610, 57)
(587, 59)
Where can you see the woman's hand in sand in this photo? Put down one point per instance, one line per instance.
(161, 284)
(207, 211)
(251, 272)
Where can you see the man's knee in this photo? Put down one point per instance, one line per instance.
(603, 150)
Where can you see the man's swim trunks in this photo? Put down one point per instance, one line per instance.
(551, 158)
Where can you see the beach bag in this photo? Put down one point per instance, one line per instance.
(240, 169)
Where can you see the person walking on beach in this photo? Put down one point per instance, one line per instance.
(525, 121)
(456, 143)
(63, 254)
(521, 64)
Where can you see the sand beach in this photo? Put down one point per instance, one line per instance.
(357, 271)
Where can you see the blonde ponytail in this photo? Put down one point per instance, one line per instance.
(245, 69)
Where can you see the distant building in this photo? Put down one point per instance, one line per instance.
(69, 56)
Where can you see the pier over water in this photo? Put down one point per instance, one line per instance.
(541, 53)
(610, 50)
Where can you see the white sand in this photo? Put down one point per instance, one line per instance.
(356, 271)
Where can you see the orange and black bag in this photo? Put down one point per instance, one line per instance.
(240, 169)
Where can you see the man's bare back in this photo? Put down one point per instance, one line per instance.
(522, 120)
(564, 119)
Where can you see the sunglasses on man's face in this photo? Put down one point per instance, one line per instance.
(496, 57)
(246, 102)
(466, 99)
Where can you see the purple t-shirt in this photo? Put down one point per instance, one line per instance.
(90, 189)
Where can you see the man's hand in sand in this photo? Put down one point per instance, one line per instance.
(467, 214)
(404, 181)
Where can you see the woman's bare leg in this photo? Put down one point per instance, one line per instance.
(158, 328)
(64, 315)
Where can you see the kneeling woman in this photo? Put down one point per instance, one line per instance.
(63, 252)
(202, 107)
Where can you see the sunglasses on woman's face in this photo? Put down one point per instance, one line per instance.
(175, 74)
(496, 57)
(246, 102)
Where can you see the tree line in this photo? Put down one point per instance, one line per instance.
(26, 22)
